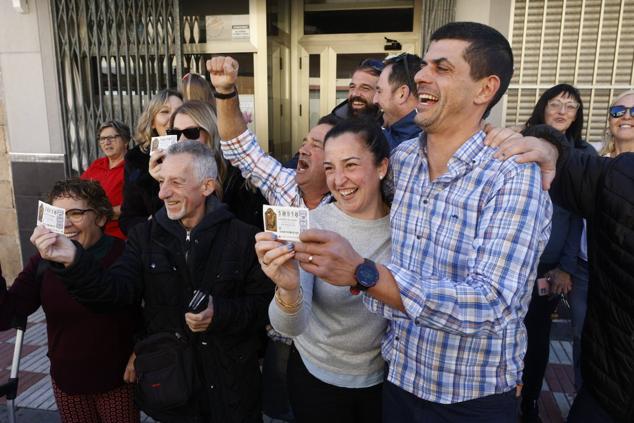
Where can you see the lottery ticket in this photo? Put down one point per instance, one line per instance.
(285, 222)
(54, 218)
(162, 142)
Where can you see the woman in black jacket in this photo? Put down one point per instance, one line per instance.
(140, 190)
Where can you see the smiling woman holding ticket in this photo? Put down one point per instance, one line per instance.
(335, 370)
(88, 351)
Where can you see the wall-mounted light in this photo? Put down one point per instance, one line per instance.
(20, 6)
(392, 44)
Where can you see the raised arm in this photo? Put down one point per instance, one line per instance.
(224, 74)
(239, 146)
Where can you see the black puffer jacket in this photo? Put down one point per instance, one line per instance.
(160, 268)
(140, 190)
(602, 190)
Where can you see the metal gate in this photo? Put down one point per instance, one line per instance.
(112, 56)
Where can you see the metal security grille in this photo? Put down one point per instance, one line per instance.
(585, 43)
(112, 56)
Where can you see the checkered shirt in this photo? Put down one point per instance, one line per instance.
(465, 249)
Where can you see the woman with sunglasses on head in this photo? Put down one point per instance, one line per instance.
(335, 369)
(140, 190)
(113, 137)
(88, 351)
(560, 107)
(196, 120)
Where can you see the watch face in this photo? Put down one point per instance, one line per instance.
(367, 274)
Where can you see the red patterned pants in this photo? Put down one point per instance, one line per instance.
(115, 406)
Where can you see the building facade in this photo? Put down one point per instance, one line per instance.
(66, 65)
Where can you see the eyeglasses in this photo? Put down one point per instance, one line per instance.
(375, 64)
(190, 133)
(619, 111)
(402, 58)
(570, 107)
(77, 215)
(107, 139)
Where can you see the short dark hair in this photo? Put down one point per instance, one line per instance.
(488, 53)
(83, 189)
(122, 129)
(573, 133)
(329, 119)
(404, 67)
(372, 136)
(372, 66)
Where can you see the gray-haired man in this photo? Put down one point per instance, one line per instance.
(193, 243)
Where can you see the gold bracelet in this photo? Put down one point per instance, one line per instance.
(289, 308)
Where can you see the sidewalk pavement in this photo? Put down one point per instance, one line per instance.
(36, 404)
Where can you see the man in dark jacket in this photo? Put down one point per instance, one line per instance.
(397, 97)
(193, 243)
(601, 190)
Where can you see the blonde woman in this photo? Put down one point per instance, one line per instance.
(619, 136)
(140, 190)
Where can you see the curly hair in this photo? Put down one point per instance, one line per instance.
(81, 189)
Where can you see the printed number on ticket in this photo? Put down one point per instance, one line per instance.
(285, 222)
(54, 218)
(162, 142)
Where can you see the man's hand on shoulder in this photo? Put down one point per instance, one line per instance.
(224, 73)
(525, 149)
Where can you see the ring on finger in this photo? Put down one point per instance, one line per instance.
(310, 259)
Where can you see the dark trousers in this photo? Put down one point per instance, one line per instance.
(585, 409)
(315, 401)
(537, 322)
(578, 298)
(400, 406)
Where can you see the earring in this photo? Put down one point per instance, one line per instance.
(380, 177)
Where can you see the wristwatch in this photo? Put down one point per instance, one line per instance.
(367, 275)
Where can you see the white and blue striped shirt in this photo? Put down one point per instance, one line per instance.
(465, 249)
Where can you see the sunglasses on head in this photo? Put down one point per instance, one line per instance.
(619, 111)
(190, 133)
(375, 64)
(402, 58)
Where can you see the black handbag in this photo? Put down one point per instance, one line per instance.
(166, 364)
(166, 374)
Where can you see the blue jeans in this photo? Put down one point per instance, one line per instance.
(578, 299)
(400, 406)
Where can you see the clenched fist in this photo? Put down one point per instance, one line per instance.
(224, 73)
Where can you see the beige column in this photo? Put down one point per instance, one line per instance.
(10, 257)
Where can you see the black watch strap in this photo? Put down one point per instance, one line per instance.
(222, 96)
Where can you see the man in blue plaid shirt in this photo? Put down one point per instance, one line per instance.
(467, 232)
